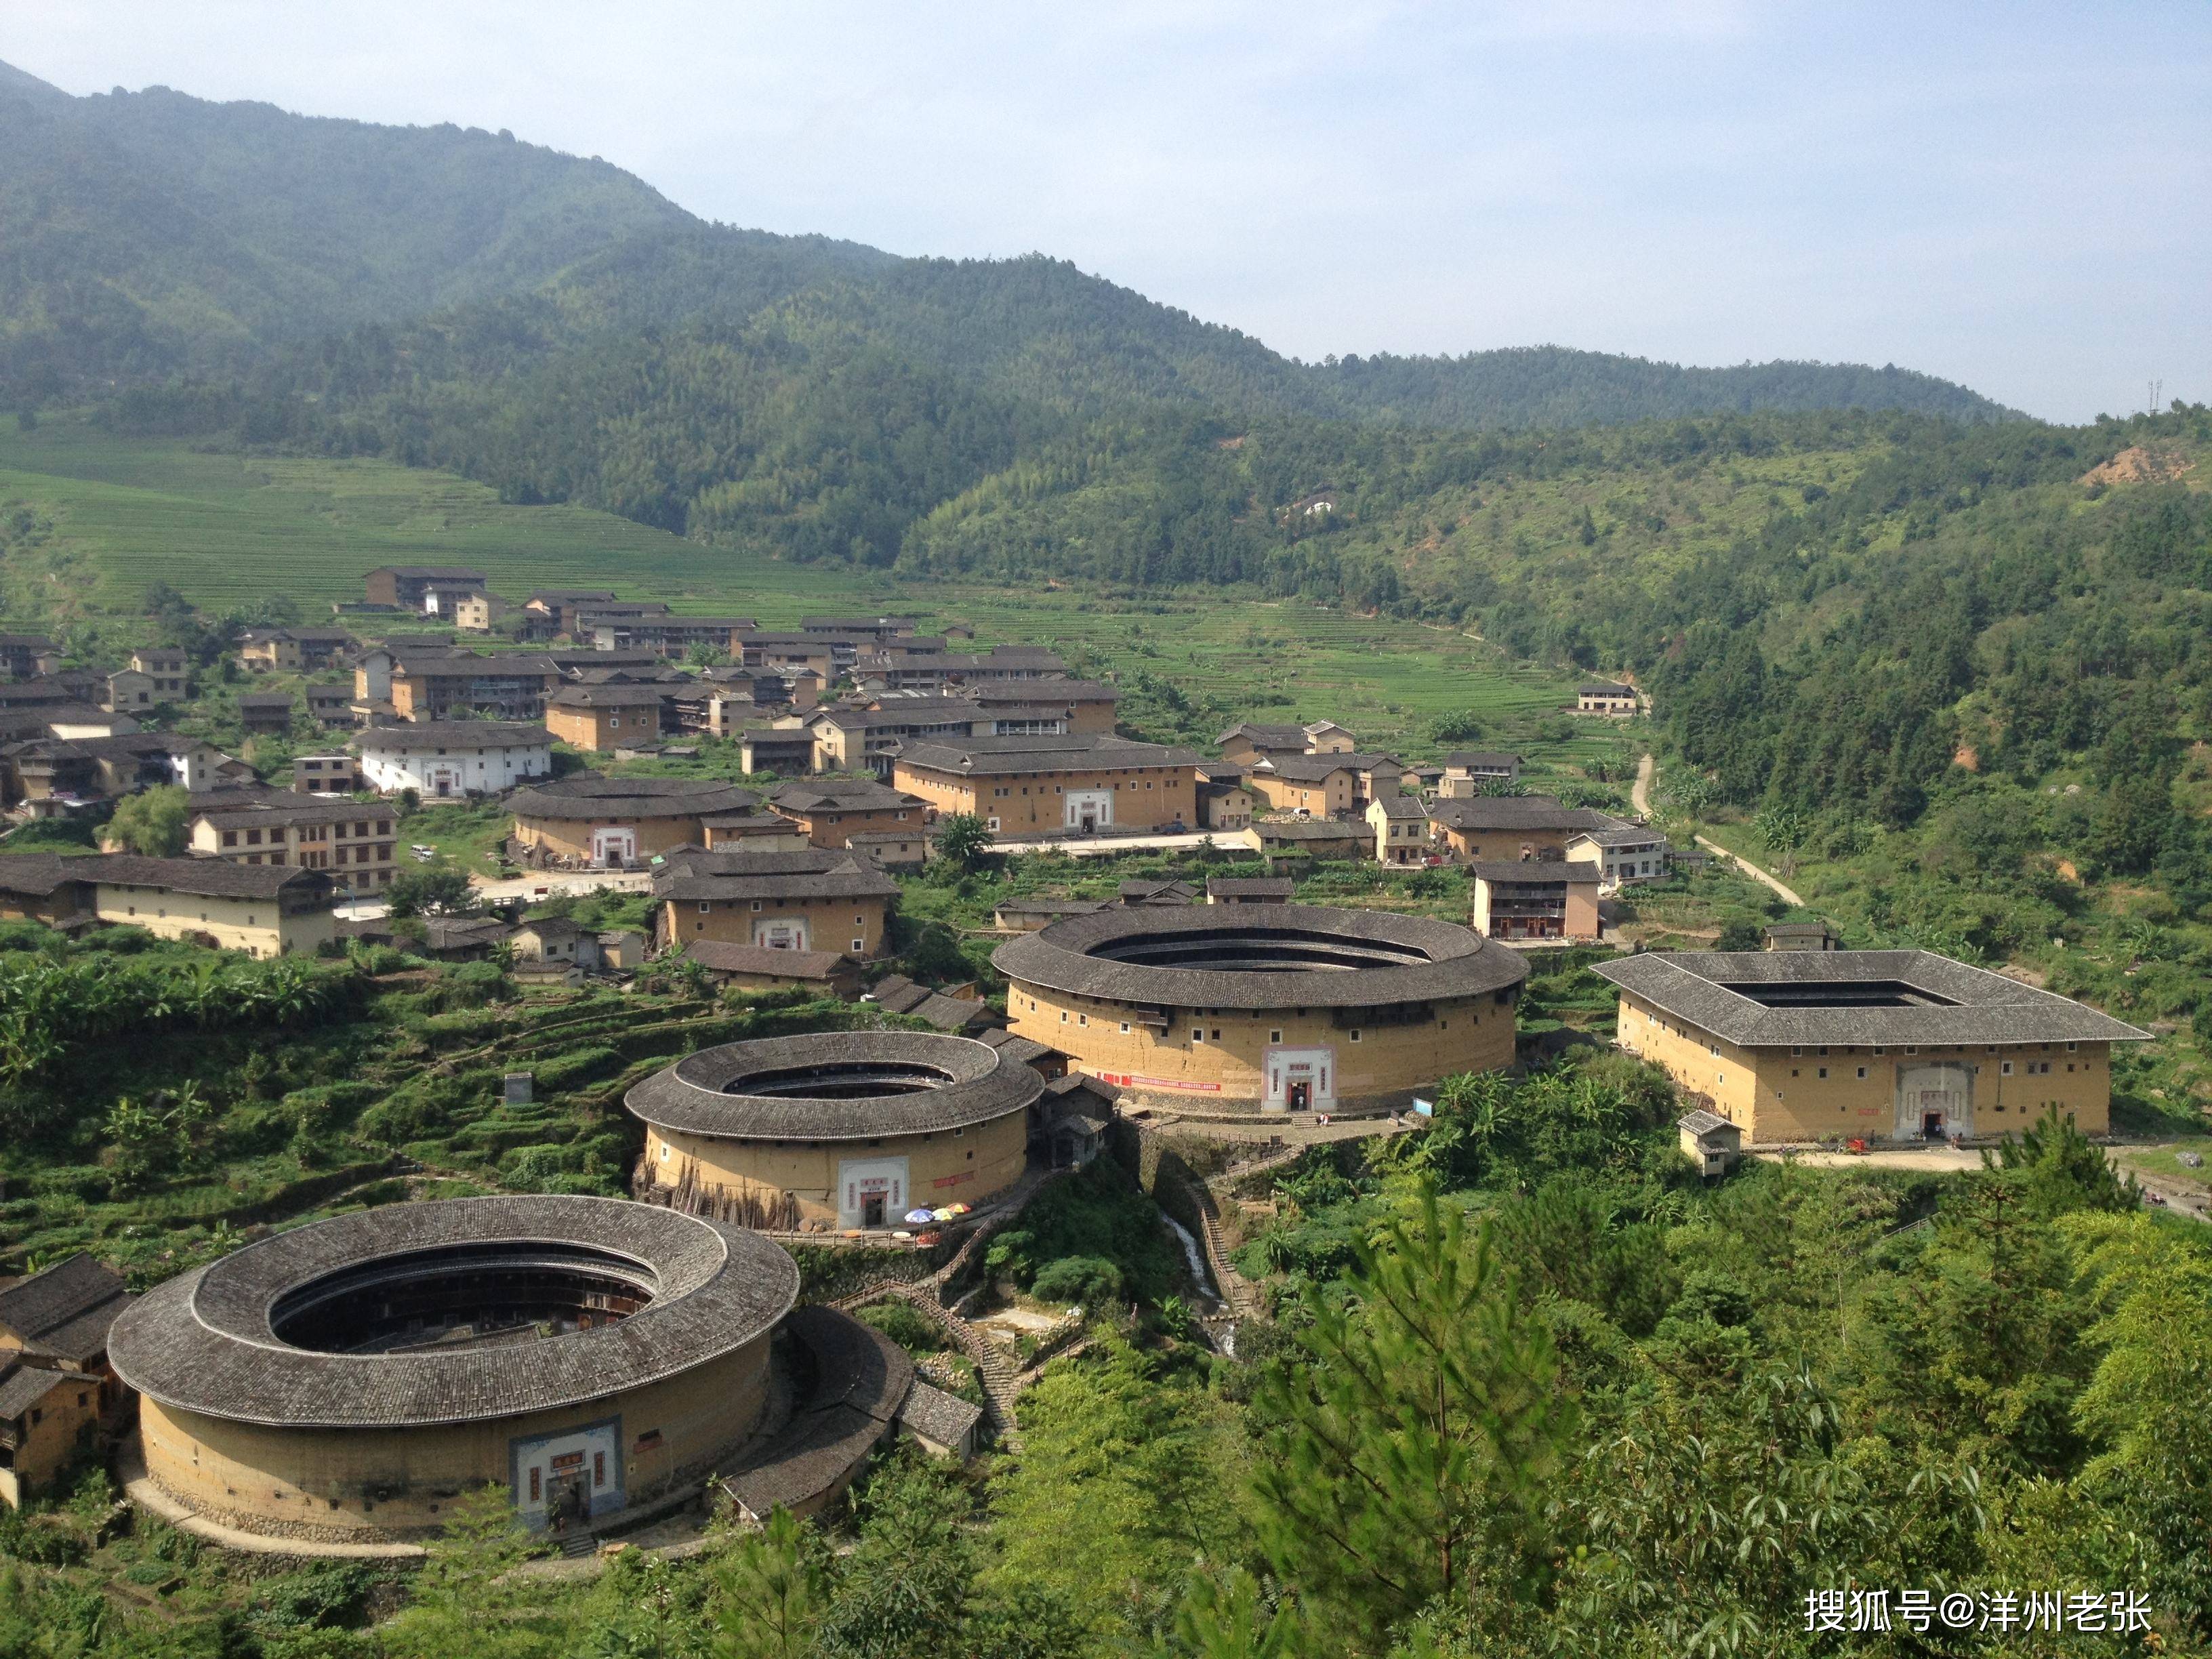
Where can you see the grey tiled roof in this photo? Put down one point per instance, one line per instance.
(727, 959)
(840, 795)
(1401, 806)
(945, 1418)
(1305, 768)
(1967, 1005)
(1251, 887)
(589, 797)
(1481, 757)
(694, 1096)
(1624, 835)
(1561, 870)
(1515, 812)
(36, 875)
(1402, 959)
(215, 877)
(65, 1309)
(454, 734)
(1020, 757)
(23, 1387)
(817, 872)
(1280, 737)
(203, 1341)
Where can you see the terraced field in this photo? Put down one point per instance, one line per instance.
(229, 530)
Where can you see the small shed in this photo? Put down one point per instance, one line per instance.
(944, 1424)
(1248, 889)
(622, 950)
(1802, 936)
(1710, 1141)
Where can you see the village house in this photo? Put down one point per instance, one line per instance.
(293, 650)
(45, 887)
(556, 939)
(1710, 1141)
(266, 712)
(20, 653)
(1320, 785)
(783, 653)
(1801, 936)
(1074, 783)
(783, 747)
(1224, 802)
(1249, 742)
(170, 669)
(610, 716)
(1248, 889)
(754, 831)
(264, 911)
(1316, 838)
(552, 611)
(1082, 705)
(588, 821)
(442, 759)
(1026, 915)
(1803, 1046)
(831, 810)
(353, 841)
(818, 900)
(57, 1387)
(758, 967)
(1504, 827)
(957, 1013)
(410, 586)
(1401, 823)
(327, 775)
(1156, 889)
(129, 692)
(1467, 772)
(391, 684)
(1603, 697)
(1536, 900)
(893, 850)
(864, 739)
(94, 768)
(670, 636)
(1624, 852)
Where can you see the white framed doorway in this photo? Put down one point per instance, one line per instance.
(1299, 1080)
(611, 847)
(781, 933)
(871, 1192)
(1935, 1101)
(1089, 809)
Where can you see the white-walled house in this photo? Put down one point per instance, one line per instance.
(446, 760)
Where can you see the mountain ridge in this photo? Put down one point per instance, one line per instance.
(154, 233)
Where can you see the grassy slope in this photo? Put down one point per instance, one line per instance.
(229, 530)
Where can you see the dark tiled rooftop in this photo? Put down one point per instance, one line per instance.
(1947, 1002)
(973, 1084)
(203, 1341)
(1398, 959)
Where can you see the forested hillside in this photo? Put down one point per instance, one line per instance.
(150, 234)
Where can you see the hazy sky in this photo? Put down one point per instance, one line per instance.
(2017, 197)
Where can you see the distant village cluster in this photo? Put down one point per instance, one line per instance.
(265, 1405)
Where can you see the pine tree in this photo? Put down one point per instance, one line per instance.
(1415, 1443)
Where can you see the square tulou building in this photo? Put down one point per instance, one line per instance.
(1895, 1045)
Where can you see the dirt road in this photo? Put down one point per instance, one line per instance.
(1788, 894)
(1639, 795)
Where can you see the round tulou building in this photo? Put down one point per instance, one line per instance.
(347, 1381)
(849, 1128)
(1269, 1008)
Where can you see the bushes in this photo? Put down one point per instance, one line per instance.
(1095, 1220)
(1089, 1280)
(904, 1325)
